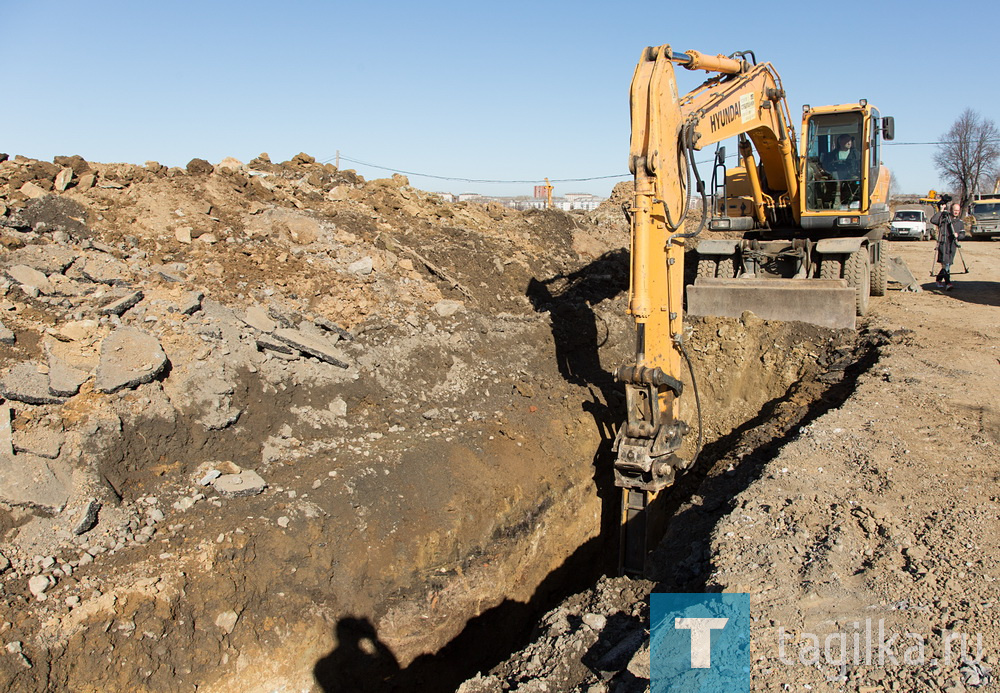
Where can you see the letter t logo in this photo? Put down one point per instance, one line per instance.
(701, 638)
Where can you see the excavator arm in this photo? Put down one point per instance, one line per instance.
(739, 99)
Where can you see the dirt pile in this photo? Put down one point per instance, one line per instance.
(247, 403)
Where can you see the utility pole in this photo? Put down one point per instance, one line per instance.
(338, 160)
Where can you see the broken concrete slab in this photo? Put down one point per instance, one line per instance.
(102, 269)
(309, 344)
(6, 433)
(31, 190)
(191, 303)
(121, 305)
(79, 330)
(333, 327)
(266, 343)
(30, 277)
(129, 358)
(64, 379)
(48, 259)
(28, 480)
(43, 442)
(246, 483)
(24, 383)
(257, 318)
(7, 336)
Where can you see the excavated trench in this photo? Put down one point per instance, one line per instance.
(418, 555)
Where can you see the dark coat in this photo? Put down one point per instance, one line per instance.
(950, 232)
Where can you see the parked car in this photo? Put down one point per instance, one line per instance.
(910, 224)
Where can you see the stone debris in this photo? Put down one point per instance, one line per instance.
(209, 477)
(26, 383)
(267, 343)
(7, 336)
(191, 303)
(43, 442)
(333, 327)
(119, 306)
(30, 278)
(313, 346)
(258, 318)
(102, 269)
(6, 433)
(64, 379)
(246, 483)
(38, 585)
(129, 357)
(226, 621)
(63, 179)
(28, 480)
(88, 519)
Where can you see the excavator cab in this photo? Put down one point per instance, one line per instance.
(833, 162)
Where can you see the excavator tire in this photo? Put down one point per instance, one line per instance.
(831, 267)
(727, 268)
(880, 270)
(707, 266)
(857, 272)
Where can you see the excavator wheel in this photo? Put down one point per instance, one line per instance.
(857, 272)
(831, 267)
(880, 270)
(727, 268)
(707, 266)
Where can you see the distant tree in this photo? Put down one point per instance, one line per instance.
(967, 158)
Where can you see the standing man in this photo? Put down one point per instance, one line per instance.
(951, 230)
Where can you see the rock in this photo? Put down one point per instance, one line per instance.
(446, 308)
(79, 330)
(122, 304)
(6, 335)
(312, 346)
(199, 166)
(63, 179)
(43, 442)
(47, 259)
(333, 327)
(283, 521)
(24, 383)
(4, 564)
(266, 343)
(102, 269)
(129, 358)
(209, 477)
(246, 483)
(183, 234)
(229, 164)
(29, 277)
(258, 318)
(75, 162)
(227, 621)
(208, 238)
(28, 480)
(191, 303)
(86, 182)
(38, 584)
(32, 191)
(364, 266)
(6, 433)
(302, 230)
(64, 379)
(88, 519)
(595, 622)
(303, 158)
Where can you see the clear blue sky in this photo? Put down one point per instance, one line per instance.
(511, 91)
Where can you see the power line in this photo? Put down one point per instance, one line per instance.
(471, 180)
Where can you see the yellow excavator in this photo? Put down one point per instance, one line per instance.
(801, 225)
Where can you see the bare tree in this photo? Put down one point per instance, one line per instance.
(968, 155)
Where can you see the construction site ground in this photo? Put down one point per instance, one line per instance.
(273, 427)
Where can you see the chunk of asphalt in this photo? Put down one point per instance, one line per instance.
(6, 335)
(64, 379)
(88, 518)
(246, 483)
(313, 346)
(121, 305)
(258, 318)
(23, 383)
(129, 358)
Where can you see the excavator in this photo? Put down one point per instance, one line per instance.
(800, 229)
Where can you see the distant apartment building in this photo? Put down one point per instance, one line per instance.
(568, 202)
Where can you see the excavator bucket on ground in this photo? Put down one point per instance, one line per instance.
(825, 302)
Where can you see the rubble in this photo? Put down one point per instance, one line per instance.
(129, 357)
